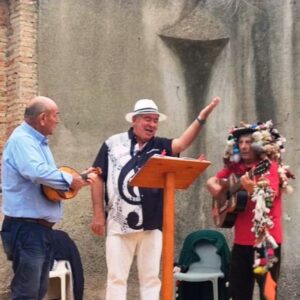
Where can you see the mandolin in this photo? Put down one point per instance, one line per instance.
(57, 195)
(233, 199)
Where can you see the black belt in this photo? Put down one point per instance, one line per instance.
(32, 220)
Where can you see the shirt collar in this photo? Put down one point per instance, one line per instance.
(131, 134)
(40, 137)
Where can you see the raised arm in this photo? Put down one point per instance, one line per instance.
(189, 135)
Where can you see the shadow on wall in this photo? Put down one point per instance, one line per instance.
(197, 39)
(197, 58)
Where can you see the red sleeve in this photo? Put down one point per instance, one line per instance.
(224, 173)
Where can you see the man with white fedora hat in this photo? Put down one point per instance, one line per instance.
(134, 215)
(145, 106)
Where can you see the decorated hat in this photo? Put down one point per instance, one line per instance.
(266, 140)
(267, 143)
(145, 106)
(239, 131)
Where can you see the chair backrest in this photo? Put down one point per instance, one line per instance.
(207, 253)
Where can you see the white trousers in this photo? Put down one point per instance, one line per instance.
(120, 251)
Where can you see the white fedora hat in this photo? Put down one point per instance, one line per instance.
(144, 106)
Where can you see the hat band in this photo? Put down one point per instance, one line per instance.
(146, 110)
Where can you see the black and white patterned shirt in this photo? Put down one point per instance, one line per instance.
(130, 209)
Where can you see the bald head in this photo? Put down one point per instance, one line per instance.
(38, 105)
(42, 114)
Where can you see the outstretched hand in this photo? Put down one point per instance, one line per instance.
(204, 113)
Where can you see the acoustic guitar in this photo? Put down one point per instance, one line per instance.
(233, 199)
(57, 195)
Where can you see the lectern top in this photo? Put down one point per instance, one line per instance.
(152, 174)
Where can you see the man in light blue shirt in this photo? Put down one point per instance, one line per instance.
(27, 234)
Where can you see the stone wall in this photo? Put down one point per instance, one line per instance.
(18, 61)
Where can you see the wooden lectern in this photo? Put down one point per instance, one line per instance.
(169, 173)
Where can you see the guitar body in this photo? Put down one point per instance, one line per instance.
(227, 206)
(57, 195)
(234, 199)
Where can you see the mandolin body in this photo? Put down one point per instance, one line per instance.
(57, 195)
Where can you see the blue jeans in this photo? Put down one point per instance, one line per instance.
(29, 247)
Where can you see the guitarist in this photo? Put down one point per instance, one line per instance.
(257, 229)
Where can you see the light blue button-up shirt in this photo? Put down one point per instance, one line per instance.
(27, 163)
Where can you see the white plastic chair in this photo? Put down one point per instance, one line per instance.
(61, 270)
(207, 269)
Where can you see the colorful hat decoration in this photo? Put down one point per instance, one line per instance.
(267, 143)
